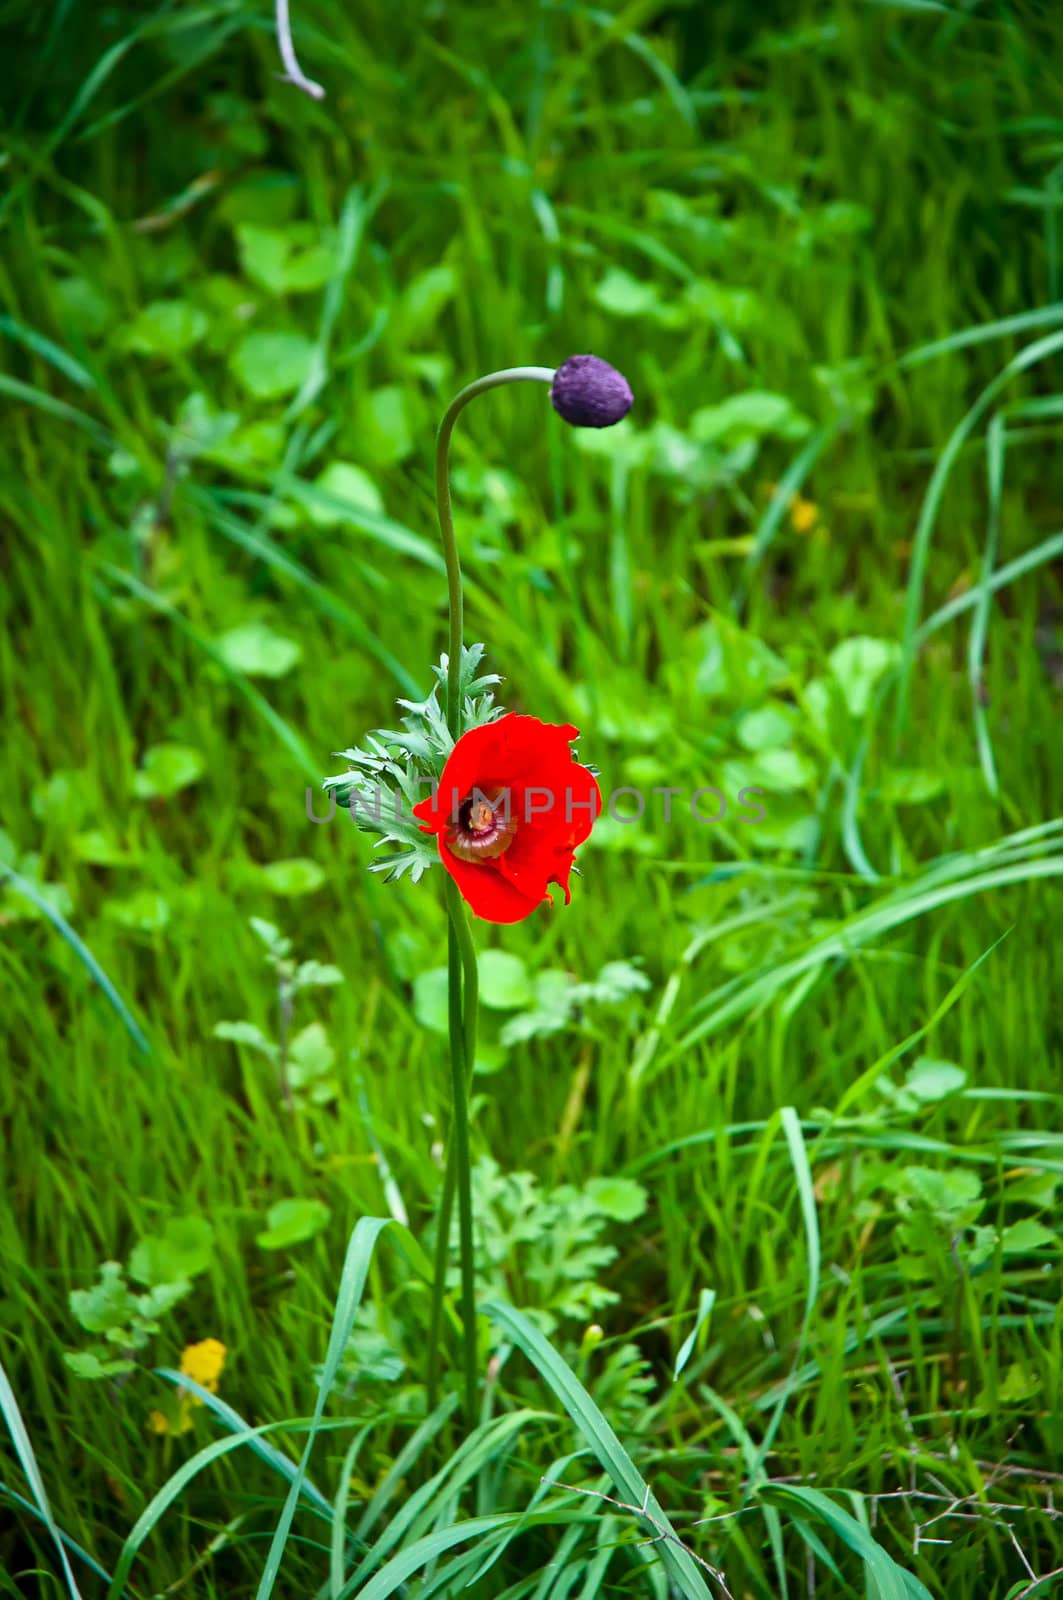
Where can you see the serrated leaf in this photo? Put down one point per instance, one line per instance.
(108, 1304)
(614, 983)
(394, 769)
(952, 1195)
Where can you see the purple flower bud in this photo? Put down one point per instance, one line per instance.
(589, 393)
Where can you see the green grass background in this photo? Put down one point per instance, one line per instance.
(851, 209)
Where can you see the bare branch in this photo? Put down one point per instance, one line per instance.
(293, 72)
(663, 1533)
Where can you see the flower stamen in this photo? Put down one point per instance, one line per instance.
(485, 828)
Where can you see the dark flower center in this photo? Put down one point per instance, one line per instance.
(485, 828)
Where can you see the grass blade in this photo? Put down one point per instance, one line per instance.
(348, 1299)
(9, 1409)
(681, 1564)
(24, 887)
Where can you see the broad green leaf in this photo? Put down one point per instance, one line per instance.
(167, 769)
(183, 1249)
(430, 1000)
(245, 1034)
(165, 328)
(626, 296)
(86, 1364)
(271, 936)
(108, 1304)
(83, 305)
(254, 648)
(310, 1055)
(346, 483)
(388, 431)
(263, 255)
(765, 729)
(296, 876)
(316, 975)
(422, 301)
(1025, 1237)
(932, 1080)
(60, 799)
(753, 415)
(952, 1194)
(145, 911)
(270, 365)
(100, 849)
(293, 1222)
(504, 982)
(252, 450)
(620, 1198)
(858, 664)
(912, 786)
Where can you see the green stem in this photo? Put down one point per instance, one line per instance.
(461, 953)
(470, 985)
(493, 380)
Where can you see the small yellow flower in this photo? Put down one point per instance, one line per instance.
(804, 514)
(203, 1363)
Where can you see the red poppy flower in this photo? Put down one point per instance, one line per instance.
(510, 810)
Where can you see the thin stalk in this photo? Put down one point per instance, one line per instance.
(461, 953)
(493, 380)
(470, 993)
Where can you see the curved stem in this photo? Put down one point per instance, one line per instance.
(461, 952)
(493, 380)
(294, 71)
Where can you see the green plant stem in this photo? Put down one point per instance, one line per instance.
(470, 980)
(461, 953)
(493, 380)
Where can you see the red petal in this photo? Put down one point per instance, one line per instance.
(488, 894)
